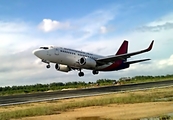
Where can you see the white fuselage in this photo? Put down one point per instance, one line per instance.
(68, 57)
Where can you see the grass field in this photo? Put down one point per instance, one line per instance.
(28, 89)
(59, 106)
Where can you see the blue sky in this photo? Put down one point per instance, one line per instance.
(97, 26)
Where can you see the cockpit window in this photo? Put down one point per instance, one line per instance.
(44, 48)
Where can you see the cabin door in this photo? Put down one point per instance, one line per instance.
(56, 51)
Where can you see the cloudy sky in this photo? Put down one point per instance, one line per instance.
(97, 26)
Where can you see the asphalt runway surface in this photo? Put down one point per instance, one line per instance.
(45, 96)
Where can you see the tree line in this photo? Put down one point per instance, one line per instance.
(8, 90)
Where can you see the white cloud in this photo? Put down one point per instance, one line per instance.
(92, 24)
(16, 36)
(153, 67)
(103, 29)
(13, 27)
(166, 62)
(165, 19)
(164, 23)
(48, 25)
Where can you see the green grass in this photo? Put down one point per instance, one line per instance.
(14, 90)
(147, 80)
(131, 97)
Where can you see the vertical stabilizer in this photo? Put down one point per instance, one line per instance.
(123, 49)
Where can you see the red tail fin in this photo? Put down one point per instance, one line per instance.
(123, 49)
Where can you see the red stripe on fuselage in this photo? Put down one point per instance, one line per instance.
(113, 66)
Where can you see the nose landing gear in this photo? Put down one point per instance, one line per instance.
(45, 61)
(48, 66)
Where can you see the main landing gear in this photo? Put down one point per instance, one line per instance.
(80, 73)
(95, 72)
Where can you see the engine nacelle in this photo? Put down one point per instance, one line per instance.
(87, 62)
(63, 68)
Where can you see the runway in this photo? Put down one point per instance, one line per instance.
(45, 96)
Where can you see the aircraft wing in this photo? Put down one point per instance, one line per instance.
(113, 58)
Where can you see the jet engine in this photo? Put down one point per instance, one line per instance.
(63, 68)
(87, 62)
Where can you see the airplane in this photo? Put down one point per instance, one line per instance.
(67, 59)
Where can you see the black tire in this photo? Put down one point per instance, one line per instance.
(95, 72)
(81, 74)
(48, 66)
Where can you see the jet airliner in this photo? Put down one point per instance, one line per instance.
(66, 59)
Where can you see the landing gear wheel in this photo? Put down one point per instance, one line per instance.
(48, 66)
(81, 74)
(95, 72)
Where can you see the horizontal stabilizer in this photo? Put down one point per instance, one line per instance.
(136, 61)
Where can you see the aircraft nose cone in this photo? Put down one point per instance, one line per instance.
(36, 52)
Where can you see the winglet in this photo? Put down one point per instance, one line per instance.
(151, 45)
